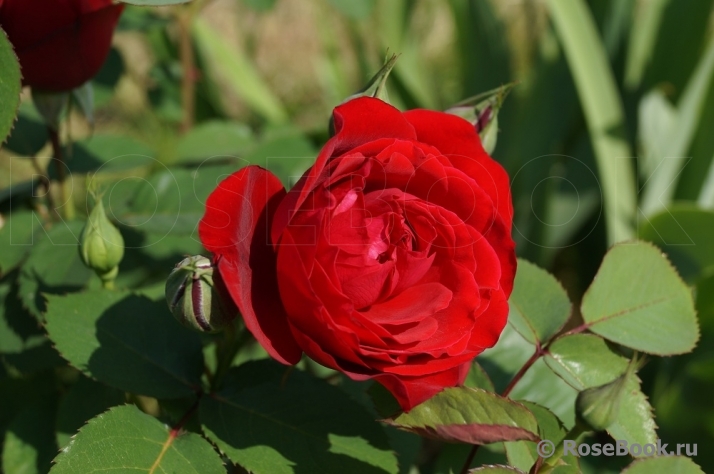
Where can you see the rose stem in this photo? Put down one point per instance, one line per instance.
(66, 204)
(226, 351)
(184, 18)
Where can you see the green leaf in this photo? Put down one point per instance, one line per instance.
(496, 469)
(469, 415)
(661, 185)
(296, 424)
(635, 423)
(126, 440)
(478, 378)
(260, 5)
(684, 232)
(83, 97)
(539, 384)
(584, 361)
(170, 201)
(638, 300)
(239, 72)
(127, 341)
(83, 401)
(214, 140)
(53, 267)
(603, 110)
(286, 152)
(16, 239)
(23, 344)
(29, 442)
(539, 304)
(656, 117)
(354, 10)
(29, 135)
(523, 454)
(643, 37)
(108, 153)
(10, 86)
(664, 464)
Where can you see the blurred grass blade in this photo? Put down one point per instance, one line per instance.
(603, 112)
(643, 38)
(239, 72)
(706, 197)
(662, 184)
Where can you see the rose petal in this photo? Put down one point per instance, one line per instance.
(235, 228)
(411, 391)
(457, 139)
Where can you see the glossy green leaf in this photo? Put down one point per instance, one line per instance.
(10, 86)
(539, 304)
(127, 341)
(635, 422)
(215, 139)
(638, 300)
(684, 232)
(53, 267)
(584, 361)
(664, 464)
(83, 401)
(126, 440)
(469, 415)
(603, 111)
(297, 423)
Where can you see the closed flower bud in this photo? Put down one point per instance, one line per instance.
(482, 111)
(193, 298)
(101, 244)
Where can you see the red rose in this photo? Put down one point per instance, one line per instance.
(390, 259)
(61, 44)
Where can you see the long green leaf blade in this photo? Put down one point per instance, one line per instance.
(603, 112)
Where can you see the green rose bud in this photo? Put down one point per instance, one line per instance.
(101, 245)
(193, 297)
(482, 111)
(376, 87)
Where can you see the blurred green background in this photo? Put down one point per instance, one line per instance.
(608, 136)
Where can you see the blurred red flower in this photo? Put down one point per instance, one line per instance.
(61, 44)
